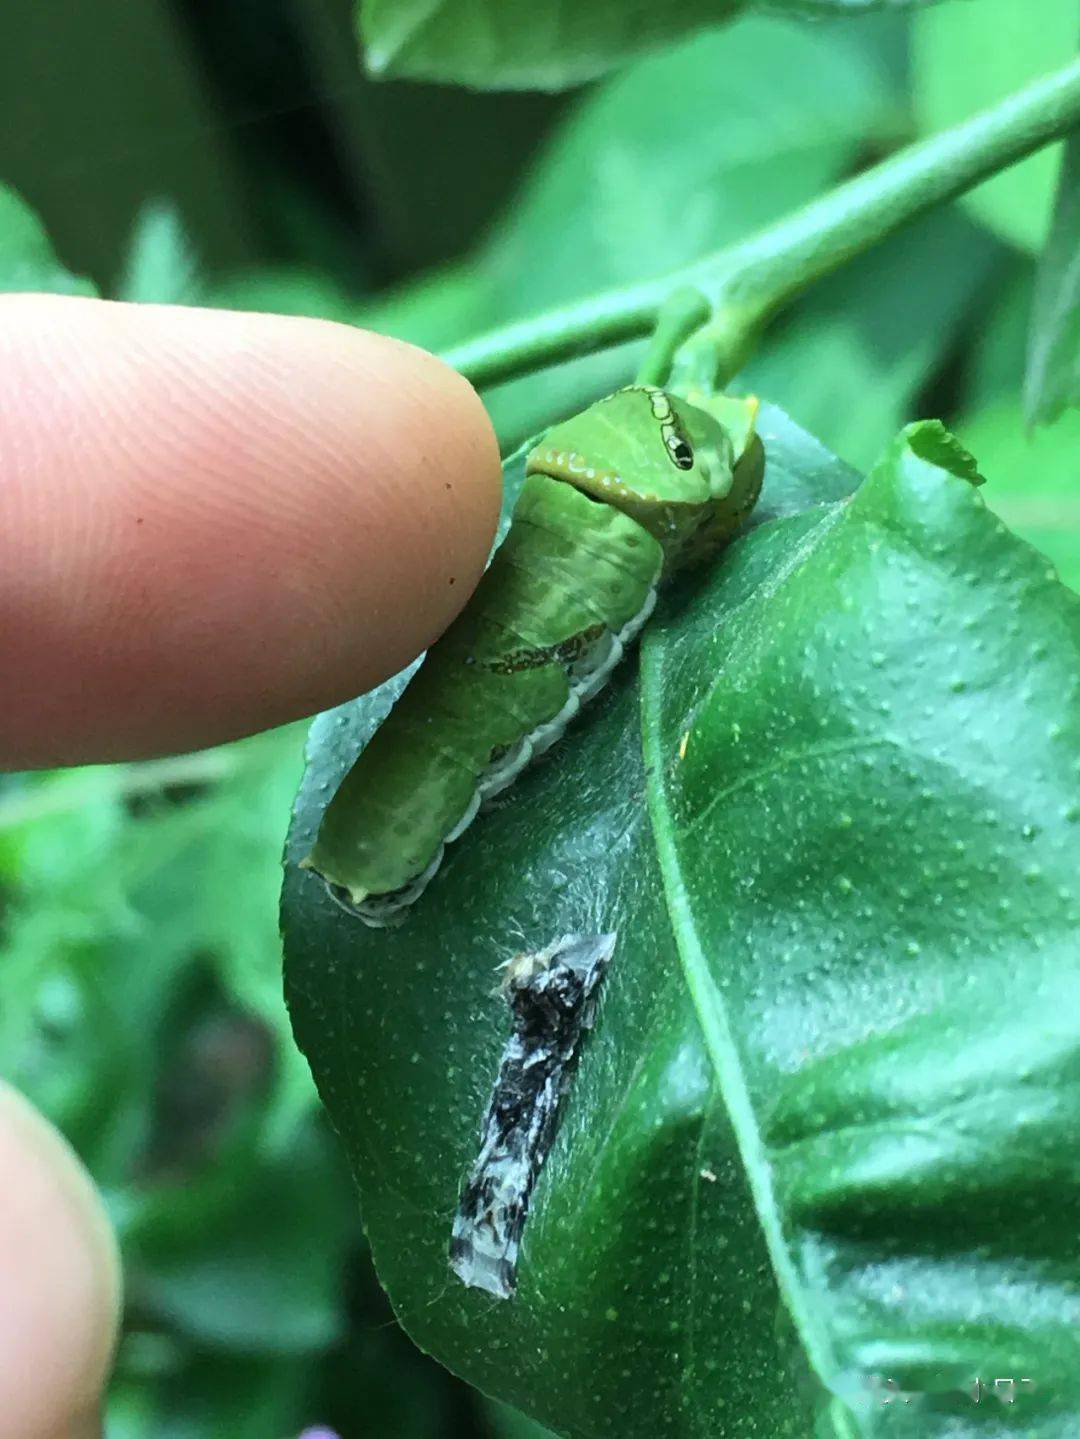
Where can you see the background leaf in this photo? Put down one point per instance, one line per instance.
(965, 57)
(161, 265)
(850, 363)
(721, 133)
(219, 1262)
(1032, 481)
(142, 1012)
(682, 153)
(546, 45)
(1053, 375)
(27, 258)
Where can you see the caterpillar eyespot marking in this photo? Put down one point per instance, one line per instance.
(614, 501)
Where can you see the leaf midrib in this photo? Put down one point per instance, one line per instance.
(717, 1035)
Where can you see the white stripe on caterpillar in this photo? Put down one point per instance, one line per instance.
(588, 676)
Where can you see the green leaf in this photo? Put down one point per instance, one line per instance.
(99, 866)
(821, 1138)
(716, 155)
(1032, 479)
(286, 290)
(158, 1394)
(686, 152)
(438, 309)
(995, 355)
(1053, 375)
(544, 45)
(27, 258)
(852, 359)
(161, 267)
(966, 57)
(507, 1423)
(217, 1261)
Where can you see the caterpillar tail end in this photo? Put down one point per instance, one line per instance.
(378, 910)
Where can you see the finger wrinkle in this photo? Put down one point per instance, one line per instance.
(201, 512)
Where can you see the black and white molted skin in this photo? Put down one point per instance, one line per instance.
(553, 995)
(588, 674)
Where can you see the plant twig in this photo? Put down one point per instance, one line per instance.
(749, 281)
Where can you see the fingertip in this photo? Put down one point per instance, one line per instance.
(60, 1300)
(212, 522)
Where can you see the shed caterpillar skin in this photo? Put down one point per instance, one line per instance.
(552, 994)
(615, 500)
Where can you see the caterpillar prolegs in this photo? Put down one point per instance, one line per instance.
(615, 500)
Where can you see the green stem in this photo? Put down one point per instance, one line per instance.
(783, 259)
(748, 281)
(682, 313)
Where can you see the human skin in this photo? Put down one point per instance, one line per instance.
(210, 523)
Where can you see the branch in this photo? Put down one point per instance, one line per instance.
(750, 280)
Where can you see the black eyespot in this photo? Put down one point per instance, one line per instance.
(681, 453)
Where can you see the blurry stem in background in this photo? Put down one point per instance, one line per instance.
(747, 282)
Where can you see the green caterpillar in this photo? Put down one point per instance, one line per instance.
(637, 486)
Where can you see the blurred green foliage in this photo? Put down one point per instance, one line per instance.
(236, 155)
(968, 56)
(545, 44)
(1052, 382)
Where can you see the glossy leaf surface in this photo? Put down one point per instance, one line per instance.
(821, 1141)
